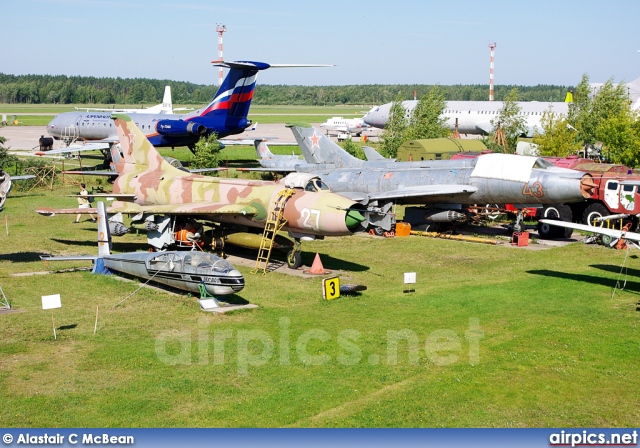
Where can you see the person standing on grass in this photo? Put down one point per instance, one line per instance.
(83, 202)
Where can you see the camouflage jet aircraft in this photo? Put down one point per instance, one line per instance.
(490, 178)
(148, 186)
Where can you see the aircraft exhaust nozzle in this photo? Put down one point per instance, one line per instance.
(587, 186)
(444, 216)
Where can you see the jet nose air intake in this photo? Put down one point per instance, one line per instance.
(353, 219)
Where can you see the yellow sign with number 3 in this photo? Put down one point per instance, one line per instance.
(331, 288)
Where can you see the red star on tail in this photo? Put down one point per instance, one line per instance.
(315, 139)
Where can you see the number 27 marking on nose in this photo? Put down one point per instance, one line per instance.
(309, 216)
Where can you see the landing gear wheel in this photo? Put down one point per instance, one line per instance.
(607, 240)
(518, 227)
(593, 211)
(561, 212)
(491, 211)
(379, 231)
(294, 259)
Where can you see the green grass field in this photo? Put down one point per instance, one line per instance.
(493, 336)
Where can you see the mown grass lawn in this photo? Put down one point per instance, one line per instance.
(493, 336)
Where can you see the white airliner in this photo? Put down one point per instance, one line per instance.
(633, 90)
(166, 107)
(350, 126)
(474, 117)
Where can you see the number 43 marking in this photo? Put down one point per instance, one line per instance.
(534, 190)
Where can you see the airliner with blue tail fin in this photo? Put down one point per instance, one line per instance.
(225, 115)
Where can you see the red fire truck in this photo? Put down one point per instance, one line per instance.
(610, 198)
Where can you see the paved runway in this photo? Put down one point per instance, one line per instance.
(25, 138)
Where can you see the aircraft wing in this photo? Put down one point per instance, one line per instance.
(632, 236)
(485, 127)
(270, 170)
(192, 209)
(426, 190)
(94, 173)
(104, 144)
(69, 258)
(205, 170)
(250, 141)
(121, 196)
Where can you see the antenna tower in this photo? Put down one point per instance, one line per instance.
(492, 47)
(220, 29)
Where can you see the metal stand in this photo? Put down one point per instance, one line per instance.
(207, 301)
(4, 302)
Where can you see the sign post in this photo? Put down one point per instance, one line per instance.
(49, 303)
(409, 280)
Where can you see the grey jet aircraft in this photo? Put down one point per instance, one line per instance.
(445, 184)
(178, 269)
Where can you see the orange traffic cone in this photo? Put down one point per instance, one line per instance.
(316, 267)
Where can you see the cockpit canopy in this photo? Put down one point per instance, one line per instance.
(305, 181)
(195, 262)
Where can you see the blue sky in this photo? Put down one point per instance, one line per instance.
(371, 42)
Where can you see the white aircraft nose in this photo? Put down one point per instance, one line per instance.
(52, 126)
(374, 118)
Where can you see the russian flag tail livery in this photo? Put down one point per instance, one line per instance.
(233, 98)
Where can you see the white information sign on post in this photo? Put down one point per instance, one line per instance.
(50, 303)
(409, 279)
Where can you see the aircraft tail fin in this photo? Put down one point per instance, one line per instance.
(138, 154)
(568, 97)
(262, 149)
(372, 155)
(233, 98)
(317, 148)
(104, 235)
(167, 105)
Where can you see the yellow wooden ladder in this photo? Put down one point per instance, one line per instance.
(275, 223)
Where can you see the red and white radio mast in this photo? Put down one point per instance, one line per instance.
(220, 29)
(492, 46)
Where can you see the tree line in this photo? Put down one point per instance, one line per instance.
(61, 89)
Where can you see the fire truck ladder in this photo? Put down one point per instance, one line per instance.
(275, 222)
